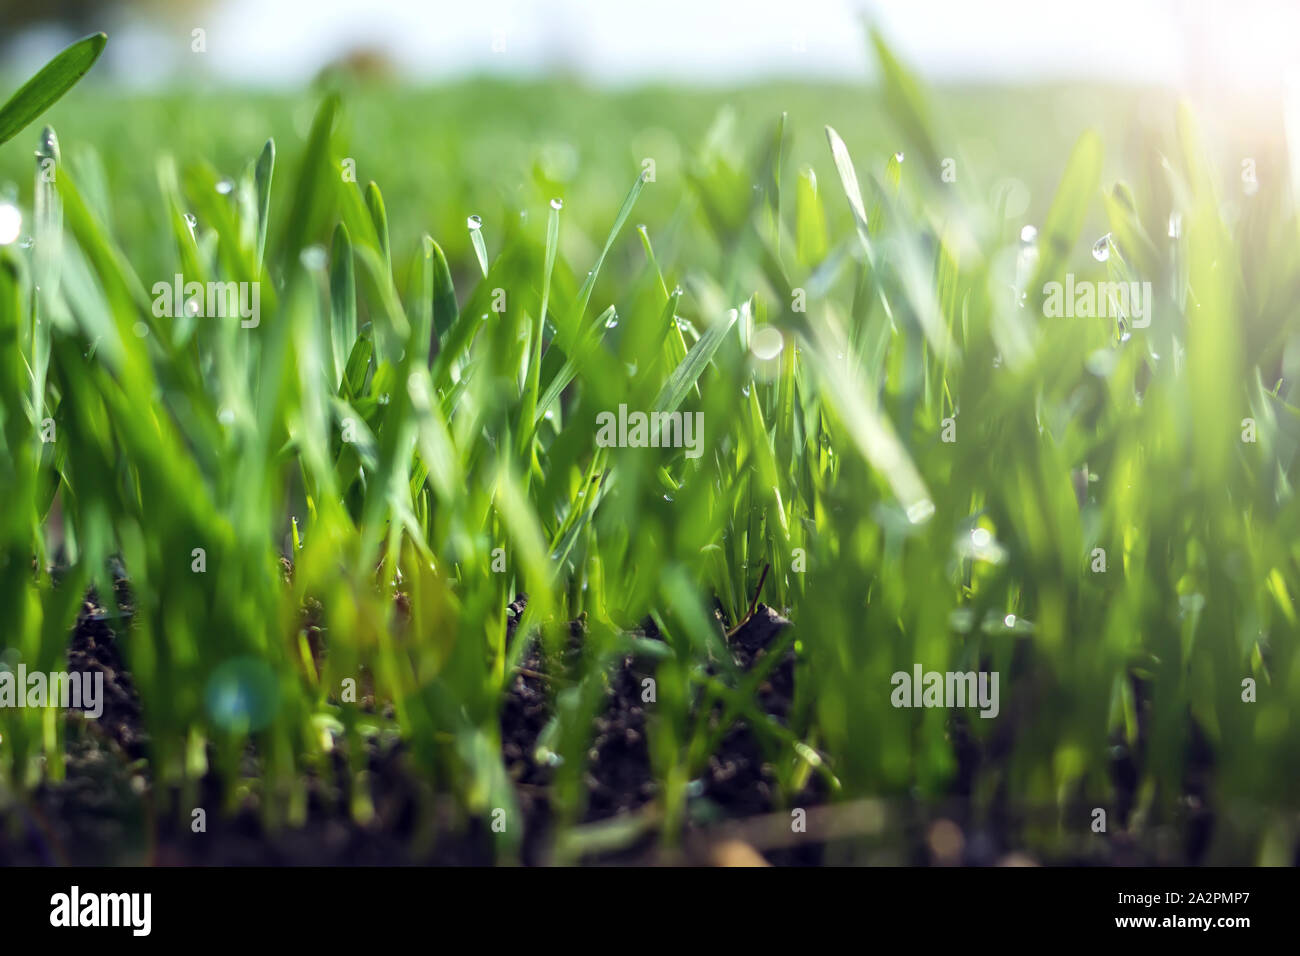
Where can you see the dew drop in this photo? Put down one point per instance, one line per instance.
(225, 187)
(898, 156)
(920, 511)
(11, 223)
(475, 225)
(1101, 248)
(314, 257)
(557, 204)
(191, 220)
(1175, 225)
(1028, 234)
(766, 343)
(242, 694)
(612, 321)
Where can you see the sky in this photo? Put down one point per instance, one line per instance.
(1241, 45)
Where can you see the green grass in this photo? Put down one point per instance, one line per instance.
(474, 429)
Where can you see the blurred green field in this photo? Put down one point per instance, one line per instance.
(387, 428)
(497, 148)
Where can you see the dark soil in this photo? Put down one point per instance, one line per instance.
(106, 810)
(739, 782)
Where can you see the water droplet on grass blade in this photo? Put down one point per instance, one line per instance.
(548, 757)
(242, 695)
(1102, 362)
(920, 511)
(557, 204)
(767, 343)
(475, 225)
(612, 321)
(191, 220)
(1175, 225)
(981, 545)
(1101, 248)
(1190, 604)
(11, 223)
(899, 156)
(225, 187)
(314, 257)
(1029, 234)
